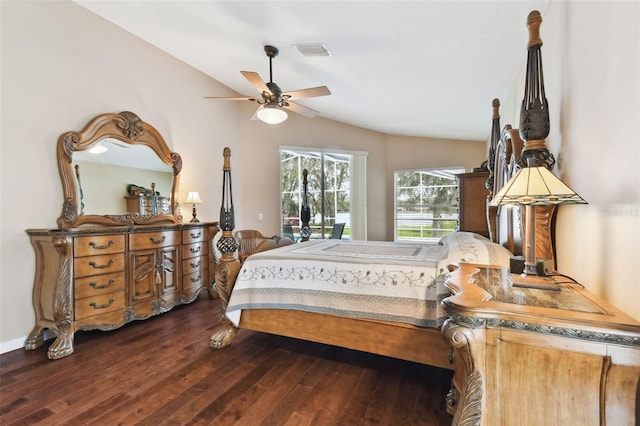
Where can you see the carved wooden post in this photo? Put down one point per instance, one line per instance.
(491, 163)
(305, 211)
(229, 266)
(465, 399)
(534, 128)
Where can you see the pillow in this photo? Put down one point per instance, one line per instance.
(461, 236)
(473, 248)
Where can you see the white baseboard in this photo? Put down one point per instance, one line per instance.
(18, 343)
(12, 345)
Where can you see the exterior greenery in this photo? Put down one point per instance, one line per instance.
(328, 191)
(426, 203)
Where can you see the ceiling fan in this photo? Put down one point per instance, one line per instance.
(274, 101)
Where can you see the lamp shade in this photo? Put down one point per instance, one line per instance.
(272, 114)
(193, 198)
(535, 186)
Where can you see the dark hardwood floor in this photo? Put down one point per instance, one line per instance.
(162, 371)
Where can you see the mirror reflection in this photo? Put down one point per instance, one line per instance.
(114, 177)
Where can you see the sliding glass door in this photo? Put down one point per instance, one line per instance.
(336, 190)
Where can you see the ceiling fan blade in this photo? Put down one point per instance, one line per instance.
(307, 112)
(308, 93)
(257, 81)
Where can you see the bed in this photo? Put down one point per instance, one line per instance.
(342, 293)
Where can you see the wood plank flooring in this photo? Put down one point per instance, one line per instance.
(162, 372)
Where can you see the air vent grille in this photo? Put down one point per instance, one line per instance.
(313, 49)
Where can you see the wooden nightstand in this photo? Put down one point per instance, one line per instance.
(538, 357)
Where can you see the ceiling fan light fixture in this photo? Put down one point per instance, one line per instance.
(272, 115)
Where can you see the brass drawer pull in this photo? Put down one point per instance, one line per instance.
(195, 280)
(196, 264)
(100, 287)
(93, 264)
(196, 235)
(160, 241)
(106, 305)
(195, 249)
(97, 247)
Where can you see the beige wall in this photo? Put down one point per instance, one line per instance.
(61, 66)
(591, 58)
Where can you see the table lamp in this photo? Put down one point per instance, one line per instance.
(193, 198)
(531, 187)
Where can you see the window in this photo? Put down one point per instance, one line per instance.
(426, 204)
(336, 190)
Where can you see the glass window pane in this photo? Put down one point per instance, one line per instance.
(426, 204)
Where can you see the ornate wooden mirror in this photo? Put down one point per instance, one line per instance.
(136, 152)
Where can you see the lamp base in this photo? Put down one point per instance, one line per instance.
(193, 213)
(532, 281)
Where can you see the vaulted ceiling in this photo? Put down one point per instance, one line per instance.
(416, 68)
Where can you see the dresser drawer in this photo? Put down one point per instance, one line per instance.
(98, 244)
(99, 284)
(195, 279)
(194, 264)
(194, 235)
(152, 240)
(194, 249)
(102, 304)
(96, 265)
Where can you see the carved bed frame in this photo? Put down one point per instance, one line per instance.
(411, 343)
(423, 345)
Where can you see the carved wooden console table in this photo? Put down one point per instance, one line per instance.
(104, 277)
(537, 356)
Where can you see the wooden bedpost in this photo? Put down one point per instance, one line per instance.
(491, 165)
(229, 266)
(305, 211)
(534, 128)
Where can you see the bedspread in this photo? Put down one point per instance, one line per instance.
(397, 282)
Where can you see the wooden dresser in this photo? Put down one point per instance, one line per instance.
(103, 277)
(472, 202)
(143, 204)
(538, 357)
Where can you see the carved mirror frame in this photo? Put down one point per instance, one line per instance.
(126, 127)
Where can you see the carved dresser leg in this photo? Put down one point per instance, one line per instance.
(35, 338)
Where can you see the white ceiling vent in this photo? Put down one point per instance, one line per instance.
(313, 49)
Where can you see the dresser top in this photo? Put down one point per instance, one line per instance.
(96, 229)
